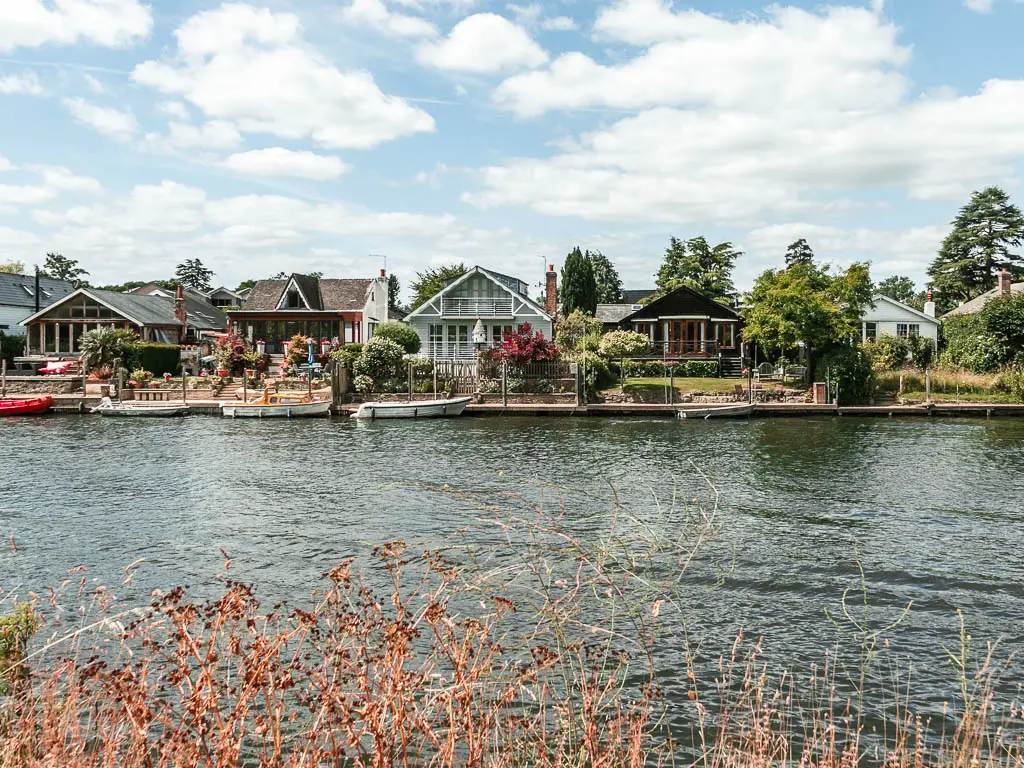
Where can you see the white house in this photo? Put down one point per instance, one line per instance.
(889, 317)
(476, 311)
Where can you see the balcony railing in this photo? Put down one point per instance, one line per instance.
(472, 307)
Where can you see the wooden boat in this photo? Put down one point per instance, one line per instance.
(738, 411)
(281, 405)
(417, 409)
(108, 407)
(25, 407)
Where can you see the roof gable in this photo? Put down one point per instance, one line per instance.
(978, 302)
(496, 278)
(681, 302)
(318, 295)
(881, 299)
(148, 310)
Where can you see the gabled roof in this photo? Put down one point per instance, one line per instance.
(20, 290)
(635, 296)
(975, 305)
(322, 295)
(497, 278)
(878, 297)
(613, 314)
(149, 310)
(684, 301)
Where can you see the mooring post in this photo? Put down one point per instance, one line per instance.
(3, 378)
(504, 385)
(928, 385)
(410, 380)
(671, 385)
(184, 383)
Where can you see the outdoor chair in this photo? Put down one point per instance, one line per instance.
(764, 371)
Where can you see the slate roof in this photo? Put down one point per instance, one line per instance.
(13, 291)
(684, 301)
(324, 295)
(159, 310)
(634, 296)
(613, 314)
(975, 305)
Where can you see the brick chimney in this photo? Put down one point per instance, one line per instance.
(551, 291)
(929, 306)
(179, 309)
(383, 274)
(1005, 283)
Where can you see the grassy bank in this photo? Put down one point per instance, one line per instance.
(947, 386)
(560, 641)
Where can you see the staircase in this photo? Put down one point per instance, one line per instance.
(732, 368)
(274, 365)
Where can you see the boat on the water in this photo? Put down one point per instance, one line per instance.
(25, 407)
(108, 407)
(286, 405)
(416, 409)
(738, 411)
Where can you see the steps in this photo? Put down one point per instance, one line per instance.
(732, 368)
(274, 365)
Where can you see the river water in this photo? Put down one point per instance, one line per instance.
(934, 509)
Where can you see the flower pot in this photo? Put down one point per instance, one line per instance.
(222, 372)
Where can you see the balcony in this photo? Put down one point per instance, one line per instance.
(488, 308)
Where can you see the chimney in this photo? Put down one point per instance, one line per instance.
(551, 291)
(383, 274)
(179, 309)
(37, 289)
(1005, 283)
(929, 306)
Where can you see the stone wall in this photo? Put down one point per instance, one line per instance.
(43, 385)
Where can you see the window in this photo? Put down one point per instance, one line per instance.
(435, 339)
(905, 330)
(350, 332)
(294, 300)
(727, 334)
(496, 335)
(463, 335)
(870, 331)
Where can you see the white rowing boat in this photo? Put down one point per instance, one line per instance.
(417, 409)
(739, 411)
(108, 407)
(287, 405)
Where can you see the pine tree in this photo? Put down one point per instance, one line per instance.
(697, 265)
(193, 275)
(971, 256)
(609, 284)
(799, 252)
(394, 292)
(579, 288)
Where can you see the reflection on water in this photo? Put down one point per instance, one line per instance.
(934, 508)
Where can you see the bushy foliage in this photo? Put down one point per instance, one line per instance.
(347, 355)
(619, 344)
(159, 358)
(102, 346)
(893, 353)
(234, 354)
(140, 376)
(11, 347)
(523, 347)
(15, 632)
(363, 384)
(969, 345)
(298, 349)
(849, 370)
(1011, 381)
(577, 331)
(658, 369)
(402, 334)
(593, 368)
(380, 360)
(1003, 317)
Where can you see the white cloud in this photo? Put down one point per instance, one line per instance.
(777, 116)
(52, 182)
(174, 109)
(980, 6)
(107, 120)
(278, 161)
(167, 207)
(483, 43)
(214, 134)
(26, 84)
(532, 16)
(559, 24)
(375, 14)
(109, 23)
(94, 84)
(6, 165)
(64, 180)
(251, 67)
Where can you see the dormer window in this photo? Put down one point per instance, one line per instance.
(294, 301)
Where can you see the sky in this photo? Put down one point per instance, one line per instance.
(349, 136)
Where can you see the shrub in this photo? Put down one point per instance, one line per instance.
(1003, 317)
(572, 330)
(140, 375)
(620, 344)
(888, 353)
(158, 358)
(593, 368)
(970, 345)
(1011, 381)
(347, 355)
(232, 353)
(402, 334)
(524, 347)
(102, 346)
(15, 632)
(363, 384)
(380, 360)
(849, 369)
(298, 349)
(698, 369)
(11, 347)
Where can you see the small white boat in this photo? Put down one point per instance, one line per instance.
(417, 409)
(738, 411)
(108, 407)
(287, 405)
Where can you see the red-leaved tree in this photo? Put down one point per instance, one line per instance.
(523, 347)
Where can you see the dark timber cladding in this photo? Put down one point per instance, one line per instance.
(687, 323)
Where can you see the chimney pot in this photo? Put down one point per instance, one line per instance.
(551, 291)
(383, 273)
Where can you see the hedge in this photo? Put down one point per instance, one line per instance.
(657, 369)
(159, 359)
(11, 347)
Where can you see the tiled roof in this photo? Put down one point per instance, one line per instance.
(344, 295)
(611, 314)
(325, 294)
(634, 296)
(19, 290)
(159, 310)
(975, 305)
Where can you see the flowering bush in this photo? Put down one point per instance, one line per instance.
(524, 347)
(618, 344)
(363, 384)
(298, 349)
(381, 359)
(140, 376)
(234, 354)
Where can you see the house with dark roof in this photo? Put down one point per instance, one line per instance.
(326, 309)
(218, 297)
(1004, 287)
(57, 329)
(476, 311)
(685, 323)
(19, 299)
(611, 315)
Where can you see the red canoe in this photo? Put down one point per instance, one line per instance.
(22, 407)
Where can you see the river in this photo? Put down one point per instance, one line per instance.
(934, 508)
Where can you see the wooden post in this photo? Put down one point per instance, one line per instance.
(622, 374)
(671, 384)
(410, 381)
(245, 386)
(504, 385)
(576, 379)
(435, 378)
(3, 378)
(184, 383)
(928, 385)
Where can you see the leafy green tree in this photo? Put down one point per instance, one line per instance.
(806, 303)
(799, 252)
(577, 331)
(193, 275)
(400, 333)
(245, 285)
(394, 292)
(902, 289)
(430, 282)
(618, 344)
(609, 284)
(13, 268)
(62, 268)
(984, 232)
(697, 265)
(579, 288)
(101, 346)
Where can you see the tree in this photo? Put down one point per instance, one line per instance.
(101, 346)
(573, 329)
(193, 275)
(984, 231)
(245, 285)
(524, 347)
(799, 252)
(902, 289)
(62, 268)
(579, 288)
(606, 277)
(618, 344)
(394, 292)
(432, 281)
(806, 303)
(400, 333)
(13, 268)
(697, 265)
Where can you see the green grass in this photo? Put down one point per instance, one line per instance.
(964, 397)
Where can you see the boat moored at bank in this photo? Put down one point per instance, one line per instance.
(286, 405)
(416, 409)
